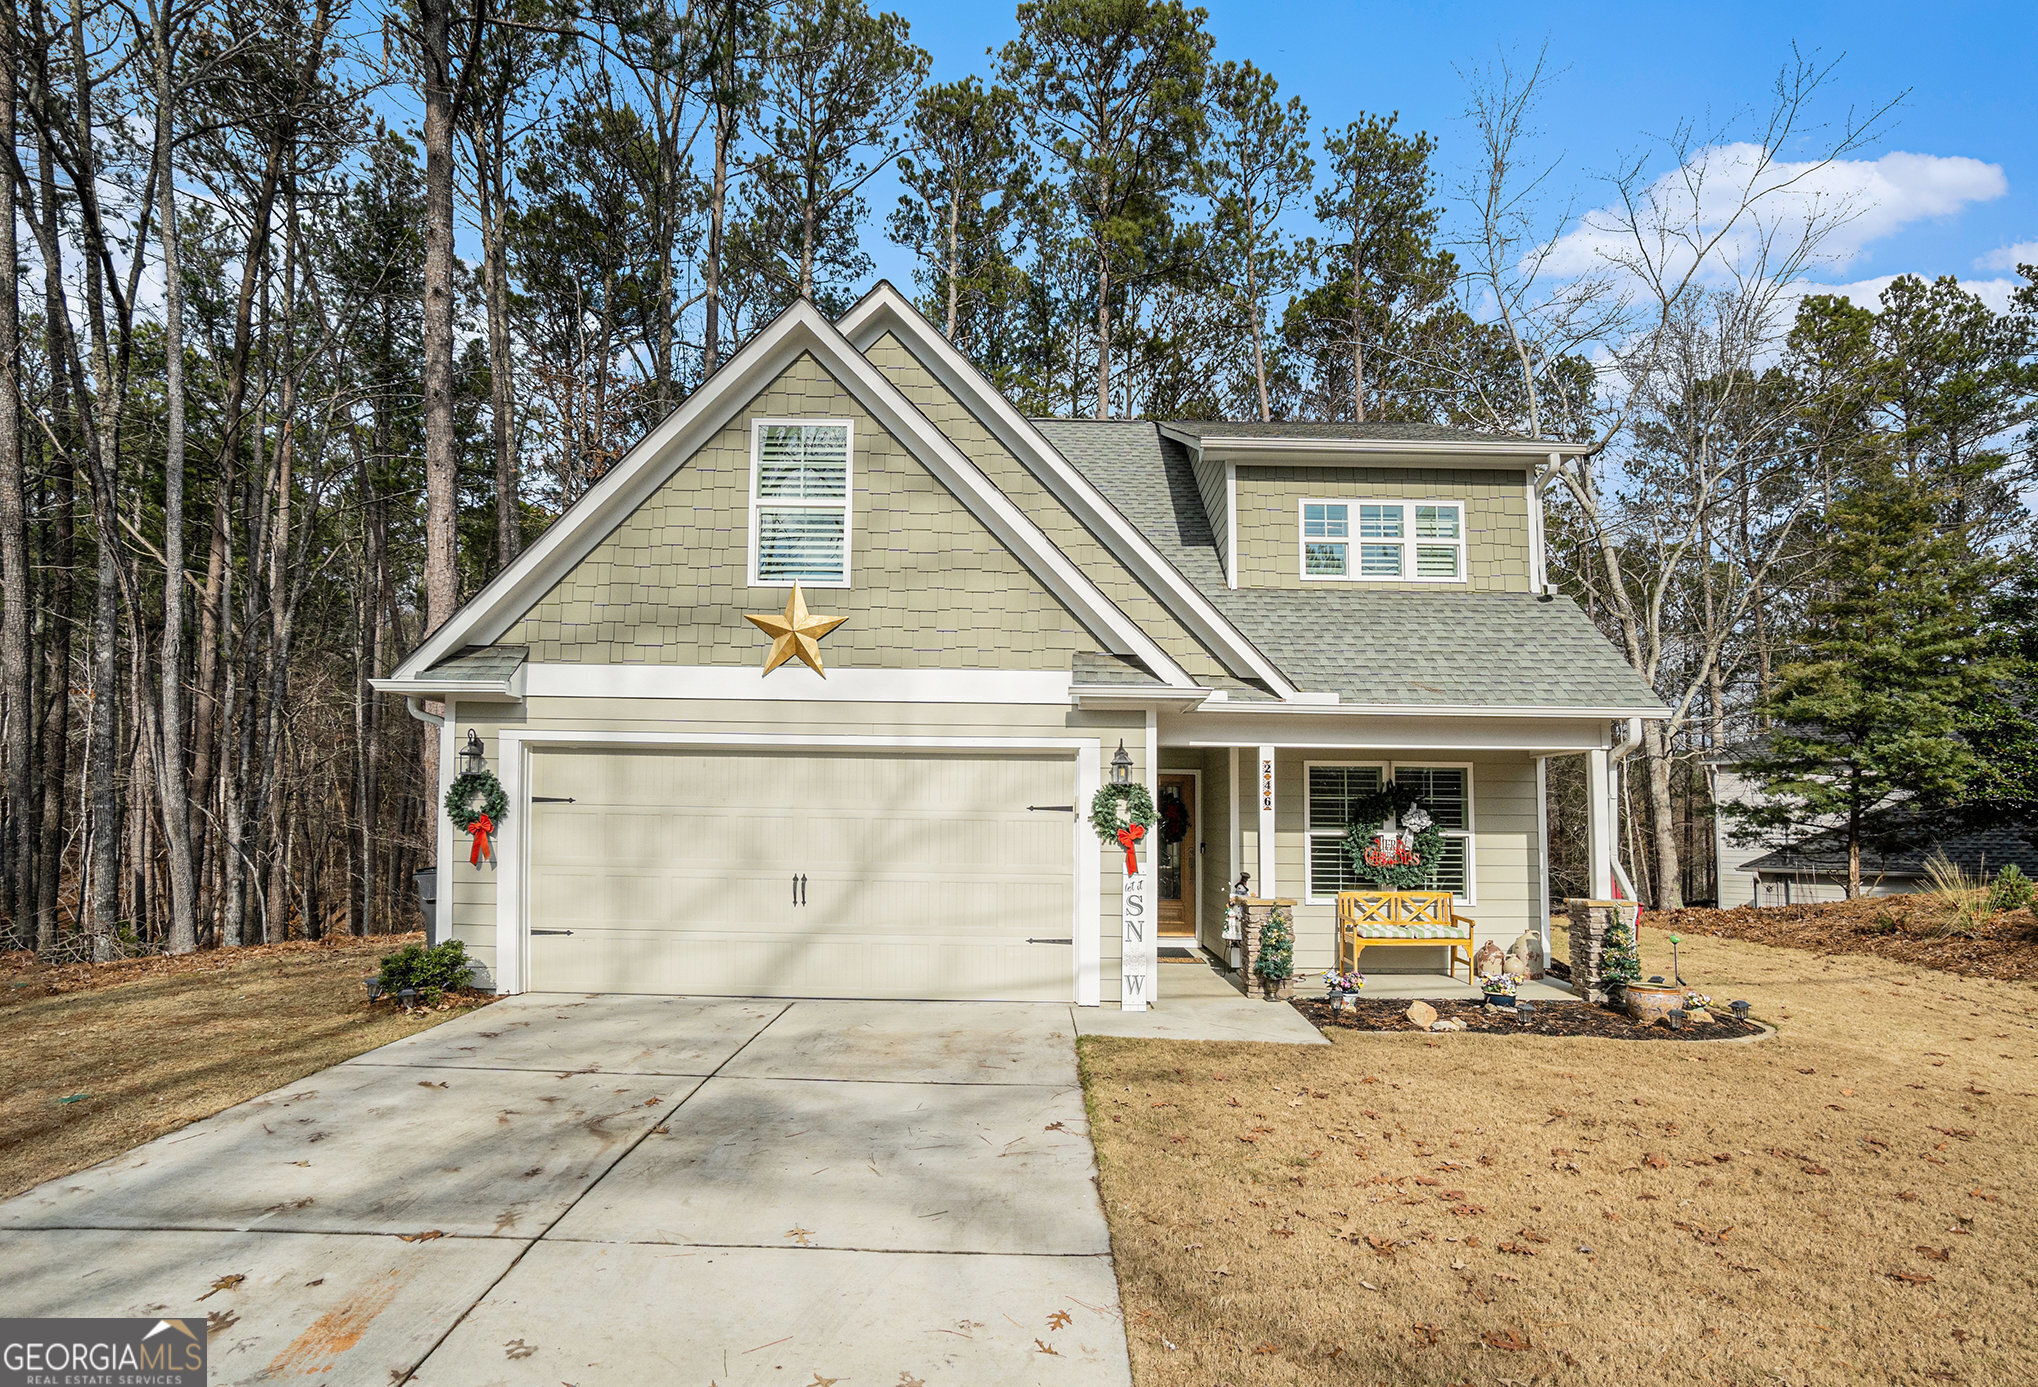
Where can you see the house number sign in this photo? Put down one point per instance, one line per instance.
(1267, 782)
(1136, 963)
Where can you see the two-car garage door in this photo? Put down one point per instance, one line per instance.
(801, 874)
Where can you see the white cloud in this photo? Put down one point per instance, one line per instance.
(1867, 293)
(1860, 201)
(2009, 257)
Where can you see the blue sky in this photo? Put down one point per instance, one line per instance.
(1633, 70)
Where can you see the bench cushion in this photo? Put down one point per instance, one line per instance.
(1382, 930)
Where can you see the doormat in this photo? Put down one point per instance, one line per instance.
(1177, 953)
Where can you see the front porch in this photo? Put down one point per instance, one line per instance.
(1269, 820)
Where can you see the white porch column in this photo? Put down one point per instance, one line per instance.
(1599, 825)
(1264, 885)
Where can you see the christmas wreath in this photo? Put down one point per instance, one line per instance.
(1174, 816)
(1402, 863)
(475, 802)
(1123, 814)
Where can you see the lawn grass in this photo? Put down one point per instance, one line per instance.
(1851, 1201)
(142, 1048)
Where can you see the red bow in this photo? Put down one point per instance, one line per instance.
(1127, 838)
(481, 828)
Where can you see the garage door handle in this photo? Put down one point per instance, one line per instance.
(1051, 808)
(1050, 941)
(551, 931)
(551, 799)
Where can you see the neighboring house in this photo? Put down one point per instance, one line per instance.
(1733, 857)
(1268, 618)
(1816, 870)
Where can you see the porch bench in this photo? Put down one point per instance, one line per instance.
(1401, 919)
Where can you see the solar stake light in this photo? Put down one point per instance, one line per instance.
(408, 998)
(1675, 1016)
(373, 982)
(1524, 1011)
(1740, 1010)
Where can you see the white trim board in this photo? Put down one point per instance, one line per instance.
(796, 683)
(646, 467)
(884, 309)
(513, 753)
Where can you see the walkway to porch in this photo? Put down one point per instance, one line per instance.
(1199, 1001)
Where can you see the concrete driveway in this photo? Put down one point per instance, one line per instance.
(622, 1190)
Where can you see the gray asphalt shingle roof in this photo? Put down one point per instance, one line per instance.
(1367, 433)
(480, 664)
(1368, 645)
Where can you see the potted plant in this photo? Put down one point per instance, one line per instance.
(1499, 990)
(1275, 965)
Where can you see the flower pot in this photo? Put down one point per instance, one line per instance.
(1496, 999)
(1647, 1004)
(1277, 989)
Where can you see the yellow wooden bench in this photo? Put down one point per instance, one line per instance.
(1401, 919)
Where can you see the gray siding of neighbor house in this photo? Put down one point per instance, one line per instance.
(1496, 520)
(931, 587)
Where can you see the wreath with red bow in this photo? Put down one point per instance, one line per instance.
(1174, 816)
(476, 804)
(1406, 862)
(1123, 814)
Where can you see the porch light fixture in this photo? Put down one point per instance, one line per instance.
(1121, 764)
(473, 760)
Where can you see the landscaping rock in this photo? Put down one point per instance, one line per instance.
(1701, 1017)
(1450, 1024)
(1422, 1015)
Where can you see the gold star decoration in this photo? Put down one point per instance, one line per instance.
(798, 632)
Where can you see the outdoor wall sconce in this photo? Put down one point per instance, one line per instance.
(1121, 764)
(473, 760)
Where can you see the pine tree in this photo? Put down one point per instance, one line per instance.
(1867, 725)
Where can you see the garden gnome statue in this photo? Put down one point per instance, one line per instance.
(1487, 962)
(1517, 958)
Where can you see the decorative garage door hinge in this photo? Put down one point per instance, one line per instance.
(1052, 808)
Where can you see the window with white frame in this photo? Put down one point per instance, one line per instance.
(1407, 541)
(1333, 794)
(799, 503)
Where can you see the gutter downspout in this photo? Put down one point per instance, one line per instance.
(1623, 749)
(432, 719)
(433, 932)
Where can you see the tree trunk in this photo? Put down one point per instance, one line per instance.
(1669, 893)
(62, 555)
(442, 478)
(1103, 334)
(954, 269)
(171, 787)
(1854, 841)
(16, 583)
(509, 533)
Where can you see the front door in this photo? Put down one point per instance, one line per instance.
(1175, 857)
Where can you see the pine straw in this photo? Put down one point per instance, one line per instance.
(1920, 930)
(156, 1043)
(1747, 1213)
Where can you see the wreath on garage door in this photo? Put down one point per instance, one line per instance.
(476, 804)
(1401, 861)
(1123, 814)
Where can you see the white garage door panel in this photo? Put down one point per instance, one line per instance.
(926, 875)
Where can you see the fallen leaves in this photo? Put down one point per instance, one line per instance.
(1504, 1339)
(225, 1283)
(1911, 1278)
(422, 1237)
(1060, 1319)
(803, 1236)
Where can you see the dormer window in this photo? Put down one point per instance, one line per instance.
(1383, 541)
(799, 502)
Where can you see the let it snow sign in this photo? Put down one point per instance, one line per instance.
(1136, 945)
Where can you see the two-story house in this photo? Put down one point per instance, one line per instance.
(1270, 619)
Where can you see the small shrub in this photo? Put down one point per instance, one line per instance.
(1961, 895)
(1885, 923)
(1276, 962)
(2011, 890)
(430, 972)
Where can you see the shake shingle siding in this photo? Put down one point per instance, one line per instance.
(931, 588)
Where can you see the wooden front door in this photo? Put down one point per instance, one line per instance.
(1175, 855)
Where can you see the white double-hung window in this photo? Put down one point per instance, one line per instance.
(1338, 789)
(799, 502)
(1390, 541)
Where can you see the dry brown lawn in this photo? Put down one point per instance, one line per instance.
(1850, 1201)
(97, 1059)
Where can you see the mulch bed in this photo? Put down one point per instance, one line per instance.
(1546, 1018)
(1917, 930)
